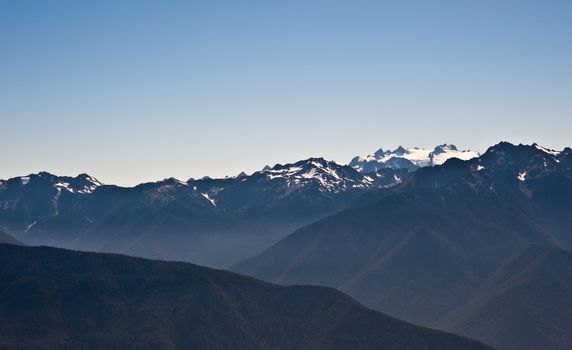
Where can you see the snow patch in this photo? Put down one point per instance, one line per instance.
(209, 199)
(30, 226)
(547, 150)
(64, 185)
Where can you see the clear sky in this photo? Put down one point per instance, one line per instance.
(132, 91)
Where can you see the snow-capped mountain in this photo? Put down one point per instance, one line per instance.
(250, 211)
(526, 163)
(44, 195)
(26, 200)
(496, 216)
(302, 187)
(409, 158)
(324, 175)
(82, 184)
(315, 176)
(503, 165)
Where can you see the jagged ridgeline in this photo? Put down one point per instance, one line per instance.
(216, 222)
(478, 247)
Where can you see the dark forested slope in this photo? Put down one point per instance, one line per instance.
(53, 298)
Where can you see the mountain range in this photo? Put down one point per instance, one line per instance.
(215, 222)
(58, 299)
(479, 247)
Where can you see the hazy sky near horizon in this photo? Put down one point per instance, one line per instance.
(133, 91)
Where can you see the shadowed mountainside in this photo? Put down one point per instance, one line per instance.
(53, 298)
(432, 250)
(6, 238)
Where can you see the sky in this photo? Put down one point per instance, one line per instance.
(134, 91)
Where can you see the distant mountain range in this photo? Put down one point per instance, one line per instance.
(58, 299)
(409, 158)
(215, 222)
(478, 247)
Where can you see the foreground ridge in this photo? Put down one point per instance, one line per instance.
(53, 298)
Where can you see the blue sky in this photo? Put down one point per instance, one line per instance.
(133, 91)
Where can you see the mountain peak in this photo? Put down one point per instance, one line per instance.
(82, 184)
(444, 148)
(409, 158)
(504, 146)
(379, 153)
(327, 175)
(89, 178)
(44, 173)
(500, 147)
(174, 181)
